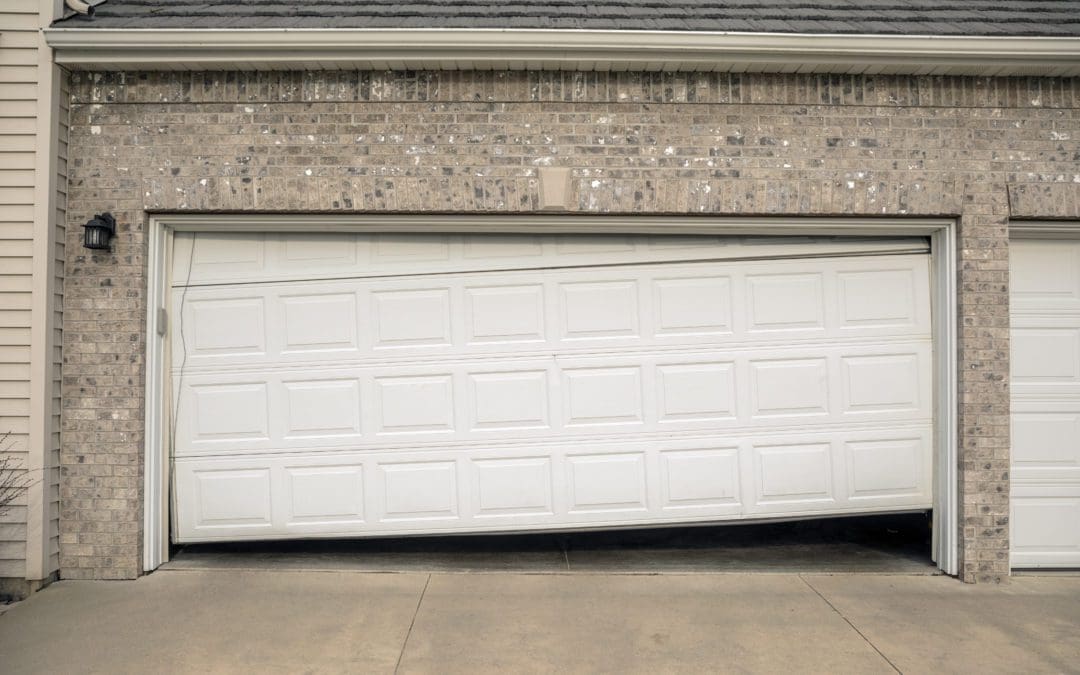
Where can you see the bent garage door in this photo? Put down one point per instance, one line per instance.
(354, 385)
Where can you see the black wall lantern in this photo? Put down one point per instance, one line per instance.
(99, 230)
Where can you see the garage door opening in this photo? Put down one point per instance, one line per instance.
(880, 544)
(354, 384)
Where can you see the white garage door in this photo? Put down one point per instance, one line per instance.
(352, 385)
(1045, 281)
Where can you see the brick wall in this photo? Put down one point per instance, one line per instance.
(473, 142)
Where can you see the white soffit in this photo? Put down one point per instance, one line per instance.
(499, 49)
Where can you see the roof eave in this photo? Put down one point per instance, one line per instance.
(471, 49)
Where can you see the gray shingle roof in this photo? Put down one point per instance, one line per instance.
(884, 17)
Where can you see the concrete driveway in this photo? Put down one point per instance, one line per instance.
(227, 621)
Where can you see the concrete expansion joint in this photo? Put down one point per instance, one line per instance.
(408, 634)
(848, 622)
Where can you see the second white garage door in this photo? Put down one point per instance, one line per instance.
(1045, 313)
(352, 385)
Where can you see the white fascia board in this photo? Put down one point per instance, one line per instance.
(83, 48)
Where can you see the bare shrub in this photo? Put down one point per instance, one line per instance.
(14, 478)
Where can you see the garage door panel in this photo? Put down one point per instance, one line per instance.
(785, 302)
(550, 485)
(324, 495)
(860, 294)
(601, 394)
(684, 304)
(884, 469)
(230, 412)
(226, 327)
(787, 387)
(502, 313)
(798, 473)
(241, 257)
(599, 309)
(1045, 275)
(702, 391)
(693, 305)
(228, 500)
(701, 478)
(878, 383)
(512, 487)
(417, 490)
(1045, 444)
(545, 397)
(411, 317)
(1048, 354)
(1045, 530)
(318, 322)
(607, 482)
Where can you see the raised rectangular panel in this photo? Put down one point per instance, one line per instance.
(415, 404)
(224, 255)
(489, 246)
(410, 247)
(707, 477)
(880, 383)
(404, 318)
(697, 243)
(607, 482)
(1046, 354)
(693, 306)
(884, 468)
(319, 322)
(322, 408)
(1047, 270)
(326, 494)
(793, 473)
(226, 327)
(1045, 439)
(419, 490)
(232, 497)
(600, 309)
(509, 400)
(578, 244)
(785, 302)
(308, 250)
(504, 314)
(603, 396)
(877, 298)
(1045, 524)
(519, 486)
(696, 391)
(230, 412)
(795, 387)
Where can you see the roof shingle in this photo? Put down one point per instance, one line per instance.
(880, 17)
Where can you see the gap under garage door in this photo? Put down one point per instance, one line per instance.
(372, 385)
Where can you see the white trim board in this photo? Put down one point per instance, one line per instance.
(519, 49)
(1044, 229)
(941, 232)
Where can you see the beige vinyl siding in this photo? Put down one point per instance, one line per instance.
(19, 145)
(18, 111)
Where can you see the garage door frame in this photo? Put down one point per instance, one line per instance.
(1028, 230)
(942, 234)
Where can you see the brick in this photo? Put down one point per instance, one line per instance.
(638, 143)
